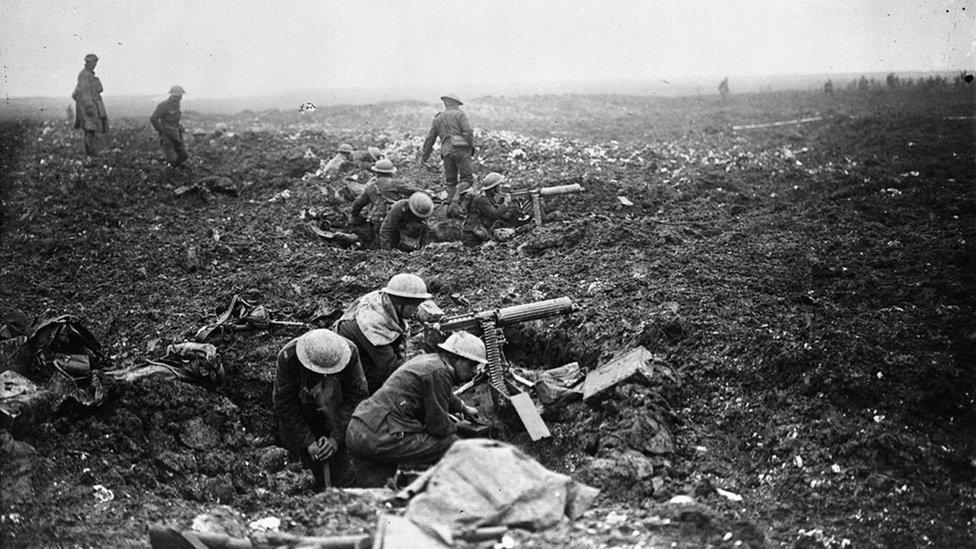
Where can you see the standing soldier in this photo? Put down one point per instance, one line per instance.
(483, 209)
(381, 191)
(166, 120)
(378, 324)
(318, 383)
(90, 114)
(457, 144)
(405, 227)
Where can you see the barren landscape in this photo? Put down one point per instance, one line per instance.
(810, 287)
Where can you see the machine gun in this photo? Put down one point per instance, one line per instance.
(489, 324)
(533, 197)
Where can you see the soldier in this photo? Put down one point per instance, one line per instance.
(381, 191)
(342, 161)
(90, 115)
(405, 227)
(457, 144)
(166, 120)
(378, 324)
(408, 420)
(483, 210)
(318, 383)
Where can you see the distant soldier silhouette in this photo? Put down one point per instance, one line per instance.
(90, 113)
(166, 121)
(829, 88)
(723, 88)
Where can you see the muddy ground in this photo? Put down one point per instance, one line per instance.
(811, 286)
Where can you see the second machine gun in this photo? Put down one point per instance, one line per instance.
(489, 324)
(522, 198)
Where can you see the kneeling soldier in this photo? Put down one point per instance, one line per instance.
(408, 420)
(318, 384)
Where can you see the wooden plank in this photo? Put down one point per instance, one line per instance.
(530, 417)
(616, 371)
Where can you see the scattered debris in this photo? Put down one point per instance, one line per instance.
(346, 240)
(775, 124)
(639, 364)
(241, 315)
(624, 201)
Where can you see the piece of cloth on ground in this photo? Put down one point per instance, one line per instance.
(482, 482)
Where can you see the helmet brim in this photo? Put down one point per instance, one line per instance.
(302, 352)
(419, 297)
(391, 170)
(451, 98)
(475, 358)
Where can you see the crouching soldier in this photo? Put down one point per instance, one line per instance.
(318, 383)
(405, 227)
(377, 324)
(381, 191)
(408, 420)
(166, 121)
(483, 209)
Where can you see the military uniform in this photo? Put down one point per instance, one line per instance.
(372, 324)
(407, 420)
(482, 212)
(309, 405)
(380, 194)
(457, 146)
(90, 114)
(402, 229)
(166, 120)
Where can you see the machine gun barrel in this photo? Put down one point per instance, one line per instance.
(551, 191)
(508, 315)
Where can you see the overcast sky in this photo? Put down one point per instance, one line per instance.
(220, 48)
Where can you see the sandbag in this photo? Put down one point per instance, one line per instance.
(481, 482)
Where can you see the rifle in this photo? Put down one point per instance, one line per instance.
(489, 324)
(535, 195)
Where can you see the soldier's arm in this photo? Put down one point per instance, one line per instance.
(287, 406)
(155, 118)
(82, 92)
(429, 142)
(486, 209)
(360, 202)
(438, 398)
(353, 384)
(389, 227)
(466, 130)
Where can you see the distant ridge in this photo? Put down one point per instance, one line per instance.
(142, 105)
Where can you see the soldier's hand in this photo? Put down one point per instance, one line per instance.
(323, 448)
(471, 412)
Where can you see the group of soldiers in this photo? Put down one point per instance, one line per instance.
(396, 215)
(346, 399)
(91, 117)
(349, 404)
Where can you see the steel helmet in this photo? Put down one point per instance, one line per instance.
(323, 351)
(491, 181)
(452, 97)
(375, 153)
(407, 285)
(177, 90)
(91, 57)
(384, 166)
(345, 148)
(421, 205)
(466, 345)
